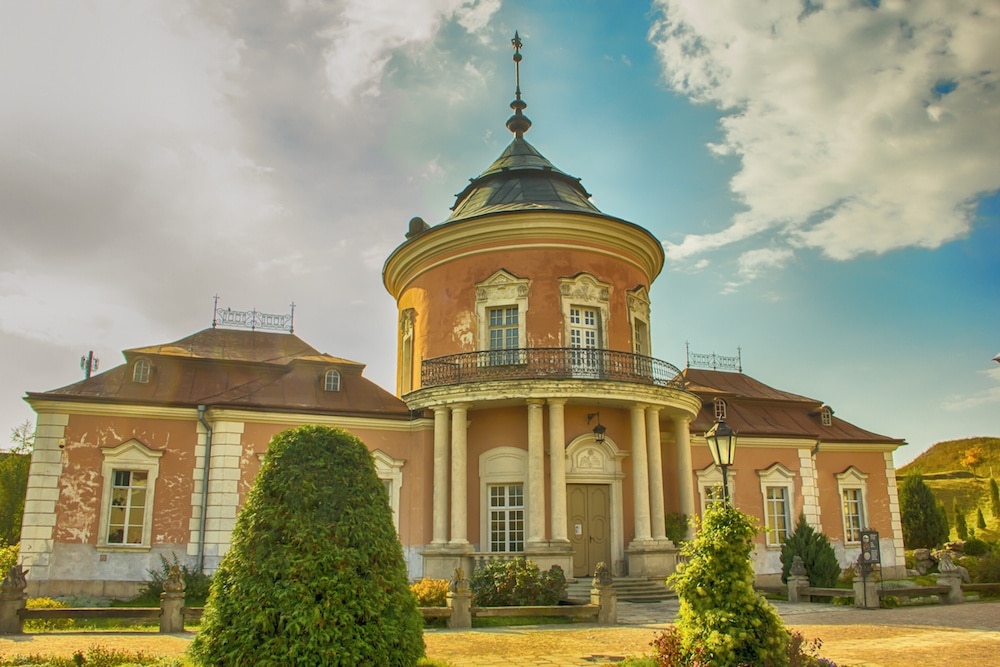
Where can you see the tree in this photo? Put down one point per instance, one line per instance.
(315, 573)
(961, 527)
(973, 457)
(924, 519)
(980, 519)
(994, 498)
(816, 552)
(14, 468)
(722, 620)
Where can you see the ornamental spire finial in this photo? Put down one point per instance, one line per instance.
(518, 123)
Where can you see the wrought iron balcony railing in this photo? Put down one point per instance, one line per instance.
(549, 363)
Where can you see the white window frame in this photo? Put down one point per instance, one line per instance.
(132, 456)
(638, 316)
(720, 409)
(406, 324)
(777, 477)
(586, 291)
(390, 471)
(500, 466)
(854, 480)
(508, 542)
(826, 415)
(501, 290)
(710, 486)
(141, 371)
(331, 380)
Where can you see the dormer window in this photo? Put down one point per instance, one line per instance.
(331, 381)
(720, 410)
(140, 371)
(826, 415)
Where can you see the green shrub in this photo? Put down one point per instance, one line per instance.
(976, 547)
(985, 569)
(315, 573)
(430, 592)
(516, 582)
(924, 519)
(816, 553)
(95, 656)
(668, 652)
(961, 527)
(677, 527)
(8, 558)
(196, 584)
(722, 620)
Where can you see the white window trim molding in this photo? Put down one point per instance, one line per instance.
(135, 456)
(585, 291)
(388, 468)
(502, 289)
(712, 476)
(777, 476)
(638, 311)
(852, 478)
(147, 373)
(332, 372)
(500, 465)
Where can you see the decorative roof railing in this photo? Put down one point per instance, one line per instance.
(549, 363)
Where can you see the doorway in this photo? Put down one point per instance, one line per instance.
(589, 516)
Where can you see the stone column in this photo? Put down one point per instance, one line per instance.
(557, 467)
(685, 472)
(536, 474)
(640, 475)
(459, 475)
(657, 513)
(440, 520)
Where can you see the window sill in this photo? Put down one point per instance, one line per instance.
(123, 548)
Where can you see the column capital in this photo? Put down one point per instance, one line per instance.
(535, 402)
(556, 401)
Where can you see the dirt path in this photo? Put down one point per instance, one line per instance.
(932, 636)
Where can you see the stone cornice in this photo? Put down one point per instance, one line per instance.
(509, 231)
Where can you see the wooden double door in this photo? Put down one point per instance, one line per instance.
(589, 513)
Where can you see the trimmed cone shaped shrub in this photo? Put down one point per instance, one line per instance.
(723, 622)
(315, 573)
(816, 552)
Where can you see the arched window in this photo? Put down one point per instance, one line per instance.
(826, 414)
(331, 381)
(720, 410)
(140, 372)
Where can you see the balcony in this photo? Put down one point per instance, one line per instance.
(549, 363)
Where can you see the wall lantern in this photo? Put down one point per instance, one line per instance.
(722, 443)
(600, 429)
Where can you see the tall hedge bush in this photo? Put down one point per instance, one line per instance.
(723, 622)
(817, 555)
(315, 573)
(924, 518)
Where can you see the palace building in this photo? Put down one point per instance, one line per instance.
(529, 417)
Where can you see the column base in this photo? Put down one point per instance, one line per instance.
(651, 558)
(547, 553)
(440, 560)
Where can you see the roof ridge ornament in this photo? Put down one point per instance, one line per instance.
(518, 123)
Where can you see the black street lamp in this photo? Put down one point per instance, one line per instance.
(722, 443)
(600, 429)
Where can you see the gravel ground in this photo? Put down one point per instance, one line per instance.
(927, 636)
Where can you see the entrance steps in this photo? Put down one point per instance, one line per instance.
(628, 589)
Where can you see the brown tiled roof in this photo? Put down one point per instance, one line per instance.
(755, 409)
(240, 369)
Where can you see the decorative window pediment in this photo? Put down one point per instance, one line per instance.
(129, 472)
(502, 291)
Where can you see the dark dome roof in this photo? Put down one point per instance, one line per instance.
(521, 179)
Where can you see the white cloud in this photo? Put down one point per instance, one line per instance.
(755, 262)
(368, 31)
(858, 129)
(987, 396)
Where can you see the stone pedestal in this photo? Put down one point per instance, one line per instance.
(866, 593)
(950, 576)
(459, 600)
(797, 578)
(547, 554)
(12, 600)
(602, 594)
(440, 562)
(653, 559)
(172, 602)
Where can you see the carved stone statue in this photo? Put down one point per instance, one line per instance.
(15, 582)
(174, 583)
(602, 575)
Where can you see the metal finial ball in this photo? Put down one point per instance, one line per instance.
(517, 57)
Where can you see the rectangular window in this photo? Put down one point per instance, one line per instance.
(776, 514)
(506, 518)
(127, 512)
(503, 331)
(853, 516)
(713, 495)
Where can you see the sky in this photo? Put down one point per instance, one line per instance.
(824, 177)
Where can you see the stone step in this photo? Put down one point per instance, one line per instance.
(628, 589)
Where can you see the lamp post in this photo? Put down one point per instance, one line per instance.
(600, 429)
(722, 443)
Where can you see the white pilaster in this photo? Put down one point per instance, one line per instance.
(557, 467)
(224, 475)
(42, 494)
(657, 513)
(440, 500)
(685, 471)
(810, 490)
(895, 514)
(640, 475)
(536, 473)
(459, 476)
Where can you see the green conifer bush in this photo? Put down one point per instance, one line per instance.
(925, 521)
(722, 620)
(816, 552)
(961, 527)
(994, 498)
(315, 573)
